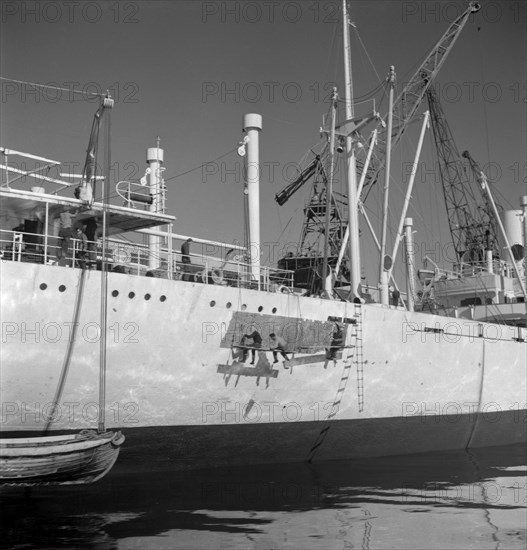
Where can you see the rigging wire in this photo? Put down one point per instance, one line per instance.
(371, 93)
(366, 52)
(332, 48)
(201, 165)
(38, 85)
(493, 189)
(364, 97)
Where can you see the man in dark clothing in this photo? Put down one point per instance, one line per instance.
(91, 236)
(65, 232)
(256, 344)
(396, 296)
(337, 341)
(185, 251)
(82, 246)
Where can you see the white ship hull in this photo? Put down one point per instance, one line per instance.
(406, 382)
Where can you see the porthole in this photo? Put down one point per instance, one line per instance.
(212, 303)
(115, 293)
(131, 295)
(228, 305)
(43, 286)
(162, 298)
(244, 307)
(274, 310)
(260, 309)
(62, 288)
(147, 296)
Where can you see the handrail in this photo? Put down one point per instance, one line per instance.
(134, 258)
(132, 193)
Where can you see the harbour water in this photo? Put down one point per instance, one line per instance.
(458, 500)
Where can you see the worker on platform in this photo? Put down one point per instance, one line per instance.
(277, 344)
(337, 341)
(253, 342)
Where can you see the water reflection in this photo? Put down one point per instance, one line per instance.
(441, 500)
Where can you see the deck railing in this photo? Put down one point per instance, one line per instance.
(136, 259)
(498, 267)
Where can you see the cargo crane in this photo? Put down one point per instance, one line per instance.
(405, 106)
(404, 109)
(473, 226)
(308, 258)
(486, 211)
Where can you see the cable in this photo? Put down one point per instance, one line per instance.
(37, 85)
(201, 165)
(366, 52)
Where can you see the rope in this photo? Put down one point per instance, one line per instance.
(367, 54)
(364, 97)
(201, 165)
(69, 351)
(38, 85)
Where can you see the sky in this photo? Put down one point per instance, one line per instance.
(187, 71)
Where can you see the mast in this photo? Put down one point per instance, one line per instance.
(523, 202)
(386, 261)
(408, 196)
(107, 104)
(410, 269)
(344, 243)
(329, 195)
(353, 213)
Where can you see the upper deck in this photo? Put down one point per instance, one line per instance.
(18, 205)
(30, 232)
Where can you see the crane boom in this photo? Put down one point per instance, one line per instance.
(408, 101)
(304, 176)
(472, 227)
(486, 211)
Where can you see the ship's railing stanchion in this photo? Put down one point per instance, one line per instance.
(170, 252)
(75, 243)
(46, 220)
(17, 245)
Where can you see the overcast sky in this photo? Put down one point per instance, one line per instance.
(188, 71)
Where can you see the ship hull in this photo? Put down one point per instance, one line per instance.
(189, 447)
(177, 387)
